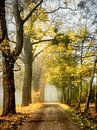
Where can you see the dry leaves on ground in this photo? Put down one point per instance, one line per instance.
(16, 120)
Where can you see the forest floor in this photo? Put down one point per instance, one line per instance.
(50, 117)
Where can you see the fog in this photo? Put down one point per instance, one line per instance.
(50, 93)
(18, 96)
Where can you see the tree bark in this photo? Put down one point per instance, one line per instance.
(26, 92)
(68, 90)
(96, 95)
(80, 85)
(90, 86)
(9, 59)
(63, 94)
(3, 29)
(8, 65)
(80, 92)
(19, 30)
(8, 88)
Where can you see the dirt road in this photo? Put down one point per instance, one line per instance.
(49, 117)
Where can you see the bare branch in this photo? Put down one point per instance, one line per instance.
(61, 8)
(32, 11)
(47, 40)
(11, 41)
(40, 52)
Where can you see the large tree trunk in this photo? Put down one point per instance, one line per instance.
(10, 58)
(26, 92)
(95, 98)
(8, 88)
(8, 75)
(96, 95)
(90, 86)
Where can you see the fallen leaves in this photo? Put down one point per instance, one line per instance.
(29, 109)
(16, 120)
(13, 121)
(85, 120)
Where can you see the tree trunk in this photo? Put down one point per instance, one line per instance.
(68, 89)
(3, 29)
(96, 99)
(63, 93)
(8, 88)
(80, 86)
(8, 65)
(96, 95)
(26, 92)
(9, 59)
(90, 86)
(80, 92)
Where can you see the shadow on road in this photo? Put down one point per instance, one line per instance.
(49, 117)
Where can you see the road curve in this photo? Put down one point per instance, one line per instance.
(49, 117)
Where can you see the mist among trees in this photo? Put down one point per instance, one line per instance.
(48, 43)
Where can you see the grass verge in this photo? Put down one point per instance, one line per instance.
(85, 120)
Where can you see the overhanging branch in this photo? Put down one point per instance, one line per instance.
(32, 11)
(47, 40)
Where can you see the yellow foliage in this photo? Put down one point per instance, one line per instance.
(82, 32)
(42, 15)
(61, 48)
(71, 70)
(72, 36)
(84, 69)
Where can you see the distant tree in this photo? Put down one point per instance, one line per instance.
(90, 85)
